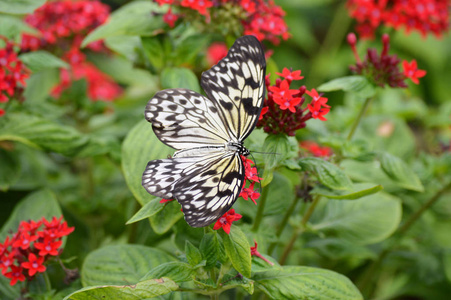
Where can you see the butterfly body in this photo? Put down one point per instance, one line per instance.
(206, 173)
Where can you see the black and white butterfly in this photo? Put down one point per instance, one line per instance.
(206, 174)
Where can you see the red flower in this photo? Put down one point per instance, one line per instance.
(316, 149)
(411, 71)
(289, 75)
(263, 112)
(225, 222)
(282, 92)
(170, 18)
(199, 5)
(23, 241)
(48, 247)
(34, 264)
(15, 275)
(250, 193)
(216, 52)
(166, 200)
(2, 111)
(254, 252)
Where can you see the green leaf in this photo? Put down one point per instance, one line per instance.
(39, 86)
(33, 207)
(142, 18)
(398, 170)
(121, 264)
(238, 250)
(179, 78)
(12, 27)
(189, 48)
(10, 170)
(359, 191)
(148, 210)
(296, 282)
(193, 254)
(42, 133)
(211, 248)
(356, 84)
(142, 290)
(19, 7)
(139, 147)
(125, 45)
(279, 188)
(278, 148)
(175, 270)
(153, 51)
(40, 60)
(163, 221)
(364, 221)
(328, 174)
(447, 265)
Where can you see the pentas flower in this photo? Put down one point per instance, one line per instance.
(254, 252)
(225, 222)
(384, 68)
(283, 110)
(12, 74)
(251, 176)
(170, 18)
(316, 149)
(24, 255)
(425, 16)
(216, 52)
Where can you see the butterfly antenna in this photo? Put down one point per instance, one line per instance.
(275, 153)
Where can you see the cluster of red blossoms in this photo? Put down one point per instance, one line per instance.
(63, 24)
(384, 68)
(283, 112)
(24, 255)
(261, 18)
(12, 75)
(316, 149)
(425, 16)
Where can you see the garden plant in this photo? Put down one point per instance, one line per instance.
(345, 193)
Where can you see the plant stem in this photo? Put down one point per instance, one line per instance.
(359, 117)
(299, 230)
(370, 273)
(48, 285)
(261, 209)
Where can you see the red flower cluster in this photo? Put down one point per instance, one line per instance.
(225, 222)
(261, 18)
(316, 149)
(384, 68)
(12, 75)
(283, 112)
(24, 255)
(251, 175)
(425, 16)
(65, 21)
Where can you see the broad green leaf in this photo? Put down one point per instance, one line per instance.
(364, 221)
(163, 221)
(136, 18)
(244, 283)
(125, 45)
(153, 51)
(11, 27)
(42, 133)
(39, 86)
(19, 7)
(149, 209)
(179, 78)
(278, 148)
(211, 248)
(175, 270)
(142, 290)
(356, 84)
(33, 207)
(296, 282)
(121, 264)
(358, 191)
(7, 291)
(238, 250)
(100, 144)
(398, 170)
(329, 174)
(189, 48)
(40, 60)
(280, 195)
(193, 254)
(10, 169)
(139, 147)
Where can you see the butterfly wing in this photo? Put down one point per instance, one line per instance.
(237, 84)
(205, 186)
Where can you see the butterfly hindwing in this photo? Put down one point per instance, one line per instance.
(237, 84)
(205, 186)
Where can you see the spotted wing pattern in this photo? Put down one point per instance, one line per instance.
(236, 84)
(205, 186)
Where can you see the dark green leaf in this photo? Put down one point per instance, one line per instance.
(189, 48)
(329, 174)
(149, 209)
(279, 189)
(356, 84)
(193, 254)
(238, 250)
(296, 282)
(358, 192)
(175, 270)
(243, 282)
(39, 86)
(121, 264)
(398, 170)
(154, 52)
(166, 218)
(179, 78)
(40, 60)
(10, 169)
(19, 7)
(278, 148)
(211, 248)
(141, 291)
(135, 18)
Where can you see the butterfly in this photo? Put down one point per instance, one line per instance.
(206, 173)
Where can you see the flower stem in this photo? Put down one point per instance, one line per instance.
(299, 230)
(261, 208)
(370, 273)
(359, 118)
